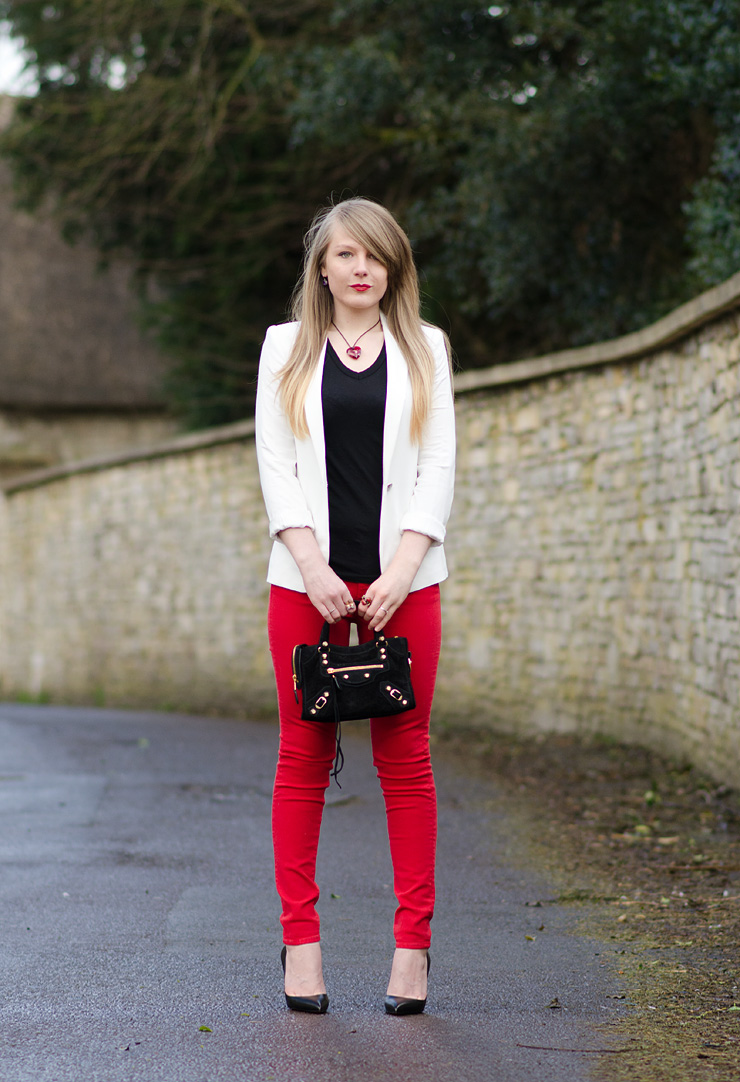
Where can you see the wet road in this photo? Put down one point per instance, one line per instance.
(137, 906)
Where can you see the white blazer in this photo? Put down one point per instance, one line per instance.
(417, 479)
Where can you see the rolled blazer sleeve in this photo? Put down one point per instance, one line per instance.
(431, 501)
(276, 445)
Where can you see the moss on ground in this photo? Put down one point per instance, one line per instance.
(649, 851)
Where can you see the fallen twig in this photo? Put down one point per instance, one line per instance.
(552, 1048)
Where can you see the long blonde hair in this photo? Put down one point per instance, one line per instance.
(312, 305)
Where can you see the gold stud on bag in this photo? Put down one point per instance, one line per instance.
(348, 683)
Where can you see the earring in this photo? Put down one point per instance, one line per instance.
(324, 280)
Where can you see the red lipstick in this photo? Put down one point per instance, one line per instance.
(360, 287)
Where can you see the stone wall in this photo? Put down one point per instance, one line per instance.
(33, 439)
(595, 553)
(594, 549)
(141, 582)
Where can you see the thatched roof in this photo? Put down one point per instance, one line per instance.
(68, 334)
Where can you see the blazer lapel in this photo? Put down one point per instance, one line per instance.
(315, 415)
(397, 387)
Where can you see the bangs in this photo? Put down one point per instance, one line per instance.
(375, 229)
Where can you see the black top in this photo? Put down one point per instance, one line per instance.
(354, 415)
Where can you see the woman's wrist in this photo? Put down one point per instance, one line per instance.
(410, 553)
(302, 545)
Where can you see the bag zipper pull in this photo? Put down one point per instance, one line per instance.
(295, 678)
(353, 668)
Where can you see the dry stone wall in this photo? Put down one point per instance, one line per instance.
(594, 550)
(35, 439)
(595, 554)
(140, 584)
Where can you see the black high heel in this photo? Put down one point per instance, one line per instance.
(308, 1004)
(400, 1005)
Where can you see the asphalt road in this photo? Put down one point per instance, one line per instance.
(137, 906)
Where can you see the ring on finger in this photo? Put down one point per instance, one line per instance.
(381, 609)
(349, 605)
(366, 600)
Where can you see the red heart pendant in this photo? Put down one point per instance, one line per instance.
(354, 352)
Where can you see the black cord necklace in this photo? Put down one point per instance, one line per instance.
(354, 351)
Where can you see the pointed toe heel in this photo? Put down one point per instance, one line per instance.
(307, 1004)
(402, 1005)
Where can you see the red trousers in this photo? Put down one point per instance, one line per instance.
(400, 755)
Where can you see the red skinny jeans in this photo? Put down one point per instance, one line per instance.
(400, 755)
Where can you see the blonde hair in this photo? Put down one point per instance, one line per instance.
(312, 305)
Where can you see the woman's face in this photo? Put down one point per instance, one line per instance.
(357, 280)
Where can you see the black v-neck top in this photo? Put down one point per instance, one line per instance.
(354, 415)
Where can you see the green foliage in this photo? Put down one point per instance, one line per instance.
(555, 150)
(567, 171)
(184, 166)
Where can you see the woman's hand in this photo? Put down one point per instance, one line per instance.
(326, 591)
(385, 596)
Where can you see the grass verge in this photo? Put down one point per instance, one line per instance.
(649, 849)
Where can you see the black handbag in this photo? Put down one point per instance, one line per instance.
(345, 683)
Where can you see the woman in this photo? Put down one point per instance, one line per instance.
(356, 444)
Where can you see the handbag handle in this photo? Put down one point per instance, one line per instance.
(325, 632)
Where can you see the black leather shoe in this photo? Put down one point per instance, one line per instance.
(308, 1004)
(401, 1005)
